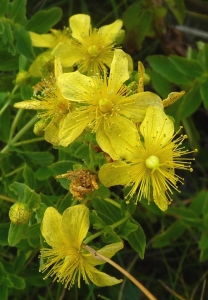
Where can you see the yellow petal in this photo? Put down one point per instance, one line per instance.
(116, 173)
(118, 72)
(157, 126)
(57, 67)
(52, 133)
(160, 200)
(101, 278)
(104, 142)
(123, 136)
(31, 104)
(42, 40)
(68, 54)
(74, 86)
(80, 26)
(110, 31)
(75, 224)
(108, 251)
(51, 228)
(38, 64)
(72, 126)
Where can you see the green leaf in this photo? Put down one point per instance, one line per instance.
(16, 233)
(203, 243)
(126, 229)
(190, 102)
(178, 9)
(163, 66)
(24, 43)
(39, 158)
(203, 255)
(8, 35)
(160, 84)
(3, 7)
(43, 173)
(96, 221)
(3, 292)
(205, 57)
(172, 233)
(189, 217)
(189, 67)
(199, 203)
(18, 282)
(4, 230)
(109, 236)
(1, 27)
(106, 210)
(204, 92)
(26, 92)
(8, 62)
(18, 11)
(31, 198)
(20, 261)
(137, 239)
(44, 20)
(5, 119)
(29, 177)
(64, 202)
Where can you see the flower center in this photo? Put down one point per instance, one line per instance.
(105, 105)
(152, 162)
(93, 50)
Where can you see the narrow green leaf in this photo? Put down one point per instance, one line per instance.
(31, 198)
(163, 66)
(8, 32)
(204, 93)
(26, 92)
(109, 236)
(137, 239)
(44, 20)
(107, 209)
(22, 63)
(96, 221)
(3, 7)
(18, 282)
(189, 67)
(19, 11)
(3, 292)
(199, 203)
(126, 229)
(24, 43)
(40, 158)
(160, 84)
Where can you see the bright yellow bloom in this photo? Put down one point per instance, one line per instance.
(152, 165)
(91, 49)
(52, 107)
(48, 40)
(106, 107)
(67, 260)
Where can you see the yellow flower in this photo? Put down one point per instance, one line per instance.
(152, 166)
(48, 40)
(52, 107)
(105, 107)
(91, 49)
(67, 260)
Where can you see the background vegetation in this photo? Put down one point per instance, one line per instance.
(170, 37)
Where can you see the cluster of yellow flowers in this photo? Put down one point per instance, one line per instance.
(131, 127)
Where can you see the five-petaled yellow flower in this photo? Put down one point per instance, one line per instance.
(105, 107)
(52, 107)
(90, 49)
(151, 168)
(67, 260)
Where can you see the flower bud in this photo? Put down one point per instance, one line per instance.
(19, 214)
(120, 37)
(39, 127)
(23, 78)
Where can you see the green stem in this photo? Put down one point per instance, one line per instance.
(113, 202)
(13, 172)
(40, 139)
(20, 134)
(9, 99)
(15, 122)
(92, 237)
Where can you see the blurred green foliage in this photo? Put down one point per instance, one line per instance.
(177, 240)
